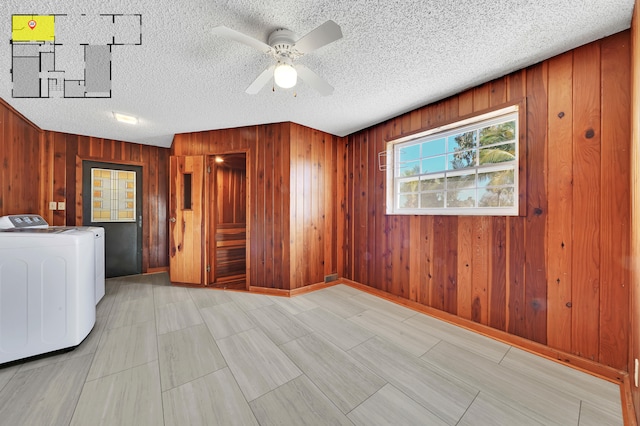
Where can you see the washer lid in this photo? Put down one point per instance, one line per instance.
(38, 230)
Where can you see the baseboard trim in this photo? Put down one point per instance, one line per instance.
(628, 409)
(312, 287)
(269, 291)
(591, 367)
(619, 377)
(291, 293)
(156, 270)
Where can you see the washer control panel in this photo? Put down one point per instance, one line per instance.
(22, 221)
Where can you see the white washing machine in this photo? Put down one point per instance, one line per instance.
(47, 287)
(98, 239)
(33, 221)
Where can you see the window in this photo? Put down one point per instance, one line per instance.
(113, 195)
(186, 192)
(465, 168)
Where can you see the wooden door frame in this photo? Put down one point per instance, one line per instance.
(207, 214)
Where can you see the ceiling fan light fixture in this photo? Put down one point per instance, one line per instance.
(285, 75)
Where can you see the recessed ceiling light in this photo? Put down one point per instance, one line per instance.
(219, 159)
(123, 118)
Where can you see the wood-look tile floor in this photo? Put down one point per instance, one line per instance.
(160, 354)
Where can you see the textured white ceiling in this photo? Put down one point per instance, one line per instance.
(394, 56)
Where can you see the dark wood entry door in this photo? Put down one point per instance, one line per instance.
(112, 199)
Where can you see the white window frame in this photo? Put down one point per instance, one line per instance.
(509, 113)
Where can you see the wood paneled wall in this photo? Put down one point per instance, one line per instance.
(20, 163)
(270, 208)
(314, 201)
(38, 167)
(558, 275)
(231, 196)
(267, 154)
(292, 214)
(634, 304)
(64, 153)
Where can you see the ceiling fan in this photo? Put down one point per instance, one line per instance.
(281, 45)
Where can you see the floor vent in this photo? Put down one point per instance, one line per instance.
(331, 277)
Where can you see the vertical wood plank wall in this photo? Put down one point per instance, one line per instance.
(266, 162)
(293, 214)
(71, 149)
(38, 167)
(20, 163)
(634, 300)
(558, 275)
(314, 200)
(270, 212)
(230, 202)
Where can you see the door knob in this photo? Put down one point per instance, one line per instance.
(172, 220)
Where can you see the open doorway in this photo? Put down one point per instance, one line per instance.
(227, 175)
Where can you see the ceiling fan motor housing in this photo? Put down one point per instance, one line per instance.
(281, 40)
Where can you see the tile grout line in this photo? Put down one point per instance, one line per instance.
(93, 355)
(223, 357)
(467, 409)
(314, 383)
(155, 328)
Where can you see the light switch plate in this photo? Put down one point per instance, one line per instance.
(52, 205)
(61, 205)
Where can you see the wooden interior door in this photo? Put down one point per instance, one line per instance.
(186, 220)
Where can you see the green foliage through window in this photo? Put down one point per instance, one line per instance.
(471, 169)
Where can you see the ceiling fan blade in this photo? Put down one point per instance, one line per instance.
(261, 81)
(314, 80)
(241, 37)
(321, 36)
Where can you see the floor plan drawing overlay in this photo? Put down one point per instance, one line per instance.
(63, 56)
